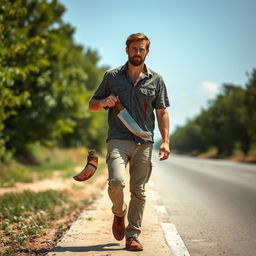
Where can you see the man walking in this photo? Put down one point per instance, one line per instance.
(141, 91)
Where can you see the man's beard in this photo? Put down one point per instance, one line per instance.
(136, 60)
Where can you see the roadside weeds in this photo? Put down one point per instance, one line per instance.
(34, 215)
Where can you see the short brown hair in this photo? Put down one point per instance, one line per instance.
(137, 37)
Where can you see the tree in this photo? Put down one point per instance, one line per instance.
(46, 79)
(229, 120)
(250, 103)
(188, 139)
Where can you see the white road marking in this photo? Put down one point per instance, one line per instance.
(170, 232)
(174, 240)
(161, 209)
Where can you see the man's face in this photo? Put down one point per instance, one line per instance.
(137, 52)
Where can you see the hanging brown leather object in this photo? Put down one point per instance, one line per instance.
(90, 167)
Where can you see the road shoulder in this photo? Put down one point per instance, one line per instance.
(91, 233)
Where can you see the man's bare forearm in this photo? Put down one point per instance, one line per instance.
(163, 124)
(97, 105)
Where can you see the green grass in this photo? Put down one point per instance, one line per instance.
(24, 216)
(14, 172)
(45, 162)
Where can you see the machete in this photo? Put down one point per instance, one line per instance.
(130, 123)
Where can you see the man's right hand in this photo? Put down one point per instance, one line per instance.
(97, 105)
(110, 101)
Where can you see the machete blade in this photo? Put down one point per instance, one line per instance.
(132, 126)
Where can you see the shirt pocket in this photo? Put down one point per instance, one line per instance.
(149, 92)
(146, 98)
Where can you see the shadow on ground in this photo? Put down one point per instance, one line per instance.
(99, 247)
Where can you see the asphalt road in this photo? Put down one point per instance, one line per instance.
(211, 202)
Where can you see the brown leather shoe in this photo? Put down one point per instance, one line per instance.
(133, 244)
(118, 227)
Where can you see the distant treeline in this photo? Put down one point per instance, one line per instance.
(228, 123)
(46, 80)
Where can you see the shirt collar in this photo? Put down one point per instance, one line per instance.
(147, 72)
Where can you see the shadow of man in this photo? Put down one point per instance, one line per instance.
(90, 248)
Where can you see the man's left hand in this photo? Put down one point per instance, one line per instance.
(164, 151)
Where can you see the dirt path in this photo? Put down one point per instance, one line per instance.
(91, 234)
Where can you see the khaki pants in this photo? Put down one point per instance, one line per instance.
(120, 153)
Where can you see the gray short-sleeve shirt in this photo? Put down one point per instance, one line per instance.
(140, 100)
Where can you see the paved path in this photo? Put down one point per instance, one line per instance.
(91, 234)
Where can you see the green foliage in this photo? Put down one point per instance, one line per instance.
(45, 78)
(250, 102)
(13, 172)
(230, 120)
(188, 139)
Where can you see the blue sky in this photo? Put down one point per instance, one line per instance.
(196, 45)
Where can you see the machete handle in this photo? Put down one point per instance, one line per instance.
(118, 105)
